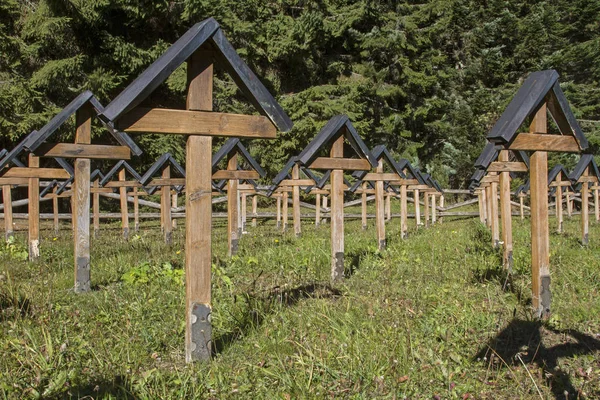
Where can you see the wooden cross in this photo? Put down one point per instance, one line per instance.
(332, 135)
(539, 94)
(201, 46)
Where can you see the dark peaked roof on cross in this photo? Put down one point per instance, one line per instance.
(234, 145)
(586, 160)
(336, 126)
(117, 168)
(207, 32)
(539, 87)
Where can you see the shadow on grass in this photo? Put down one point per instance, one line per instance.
(532, 342)
(118, 388)
(259, 307)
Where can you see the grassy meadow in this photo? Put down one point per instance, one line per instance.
(433, 316)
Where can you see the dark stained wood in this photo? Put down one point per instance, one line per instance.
(79, 150)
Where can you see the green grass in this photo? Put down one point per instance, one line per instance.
(418, 320)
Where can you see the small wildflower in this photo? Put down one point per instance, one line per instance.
(54, 238)
(276, 240)
(178, 252)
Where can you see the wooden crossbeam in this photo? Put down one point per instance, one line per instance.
(187, 122)
(226, 174)
(563, 183)
(297, 182)
(378, 177)
(491, 179)
(418, 187)
(347, 164)
(404, 182)
(37, 173)
(589, 179)
(72, 150)
(120, 184)
(506, 166)
(545, 142)
(166, 182)
(14, 181)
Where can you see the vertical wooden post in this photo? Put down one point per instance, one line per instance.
(8, 215)
(485, 203)
(540, 236)
(417, 208)
(233, 228)
(426, 207)
(296, 201)
(495, 216)
(480, 204)
(442, 200)
(521, 208)
(324, 221)
(285, 209)
(379, 209)
(124, 211)
(318, 210)
(506, 212)
(388, 206)
(278, 202)
(55, 209)
(34, 211)
(136, 210)
(585, 211)
(96, 208)
(559, 209)
(403, 212)
(174, 202)
(337, 213)
(569, 203)
(363, 206)
(596, 205)
(165, 203)
(254, 209)
(244, 211)
(198, 222)
(433, 209)
(81, 201)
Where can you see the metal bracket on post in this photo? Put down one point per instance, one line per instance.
(545, 298)
(201, 332)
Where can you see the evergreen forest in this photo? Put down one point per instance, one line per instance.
(426, 78)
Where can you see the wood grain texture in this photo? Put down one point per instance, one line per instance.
(559, 205)
(284, 211)
(55, 210)
(317, 209)
(278, 212)
(337, 213)
(346, 164)
(82, 150)
(426, 210)
(506, 215)
(540, 235)
(544, 142)
(227, 174)
(296, 201)
(417, 202)
(38, 173)
(96, 207)
(8, 214)
(124, 212)
(506, 166)
(495, 214)
(165, 202)
(187, 122)
(363, 206)
(585, 212)
(379, 206)
(136, 210)
(254, 210)
(403, 211)
(34, 210)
